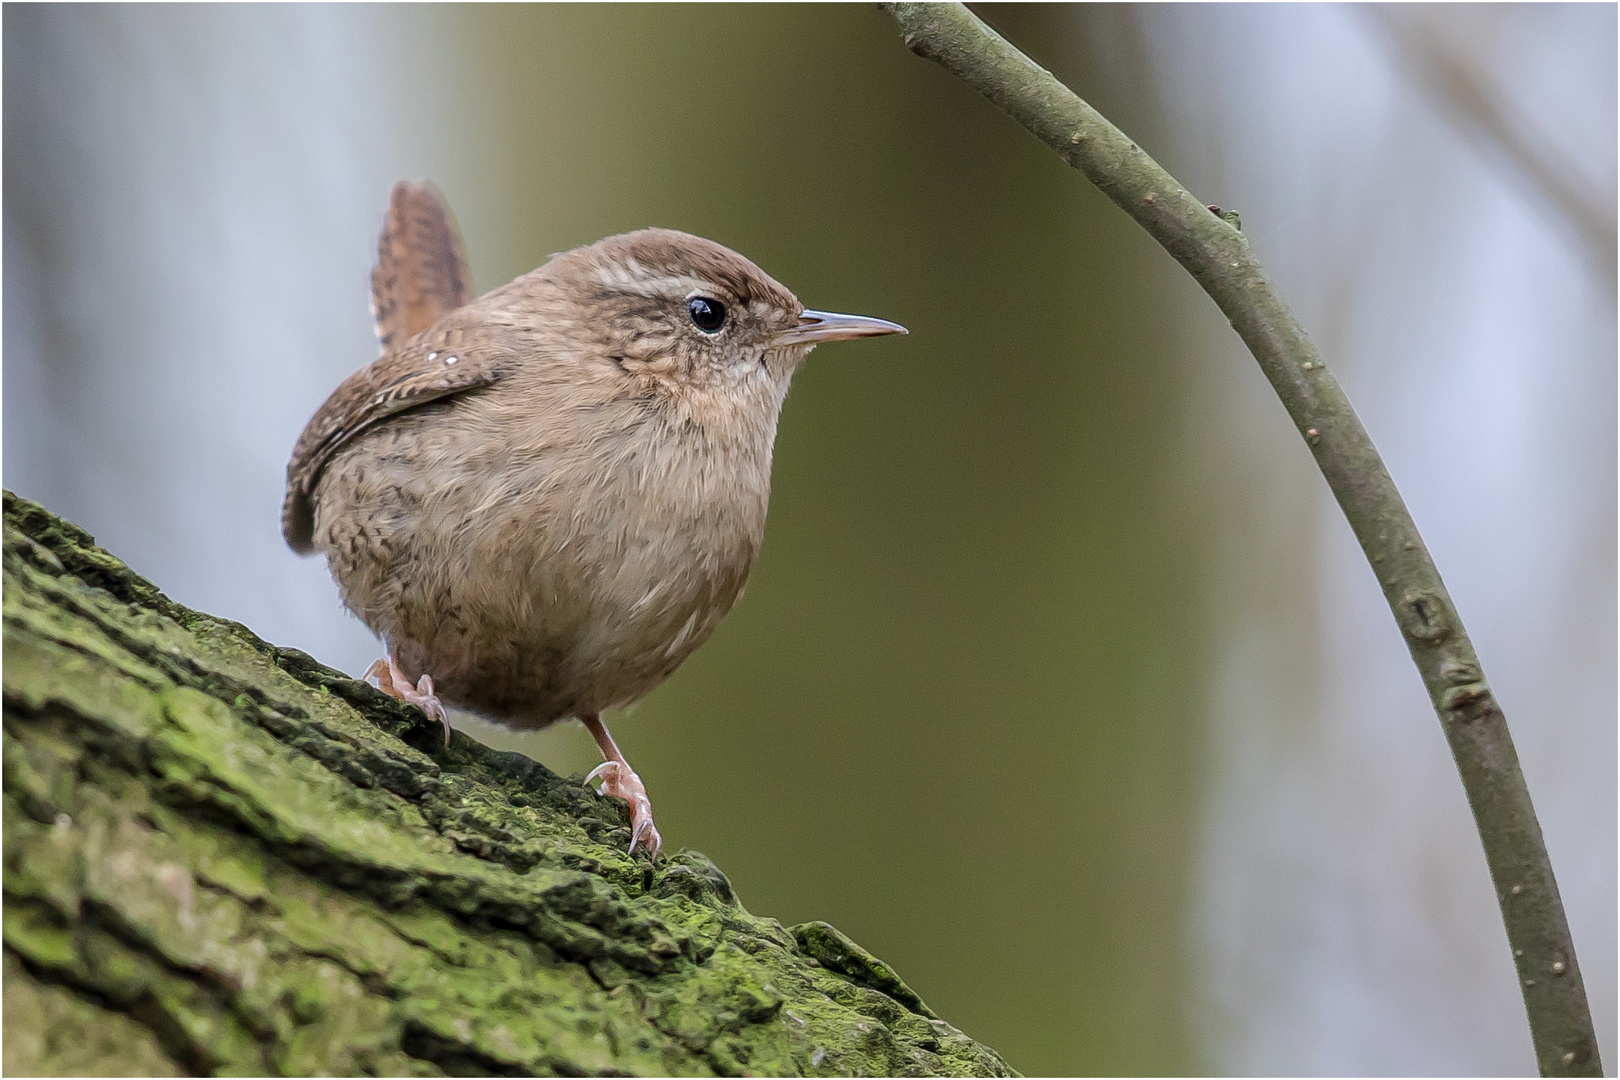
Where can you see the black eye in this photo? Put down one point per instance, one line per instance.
(707, 315)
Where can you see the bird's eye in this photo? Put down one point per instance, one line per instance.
(707, 315)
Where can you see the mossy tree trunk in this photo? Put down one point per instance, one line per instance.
(223, 857)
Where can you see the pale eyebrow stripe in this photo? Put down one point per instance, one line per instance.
(632, 278)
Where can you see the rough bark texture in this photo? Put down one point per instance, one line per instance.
(223, 857)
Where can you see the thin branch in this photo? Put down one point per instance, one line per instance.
(1472, 100)
(1219, 257)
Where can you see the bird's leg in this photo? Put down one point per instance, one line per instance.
(620, 781)
(386, 676)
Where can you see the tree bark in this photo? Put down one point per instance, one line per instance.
(223, 857)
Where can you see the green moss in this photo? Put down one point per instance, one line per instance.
(51, 1030)
(837, 952)
(240, 861)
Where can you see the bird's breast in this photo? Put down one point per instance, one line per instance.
(593, 561)
(543, 555)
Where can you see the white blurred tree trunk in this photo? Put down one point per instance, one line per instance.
(191, 257)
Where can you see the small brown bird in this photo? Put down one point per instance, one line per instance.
(545, 499)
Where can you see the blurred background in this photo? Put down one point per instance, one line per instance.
(1060, 683)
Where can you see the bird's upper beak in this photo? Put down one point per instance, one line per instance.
(818, 326)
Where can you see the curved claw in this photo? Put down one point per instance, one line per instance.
(429, 703)
(619, 781)
(645, 829)
(386, 676)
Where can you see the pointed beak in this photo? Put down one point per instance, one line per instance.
(818, 326)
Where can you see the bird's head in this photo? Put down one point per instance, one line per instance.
(678, 309)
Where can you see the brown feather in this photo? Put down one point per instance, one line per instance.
(421, 273)
(420, 277)
(429, 367)
(581, 503)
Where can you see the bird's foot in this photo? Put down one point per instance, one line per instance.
(386, 676)
(620, 781)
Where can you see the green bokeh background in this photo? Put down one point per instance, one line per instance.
(956, 713)
(1059, 684)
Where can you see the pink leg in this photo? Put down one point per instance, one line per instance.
(620, 781)
(386, 676)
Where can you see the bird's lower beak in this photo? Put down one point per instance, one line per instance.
(818, 326)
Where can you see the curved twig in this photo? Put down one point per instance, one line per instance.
(1211, 248)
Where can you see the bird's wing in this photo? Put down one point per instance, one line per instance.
(430, 367)
(420, 277)
(421, 273)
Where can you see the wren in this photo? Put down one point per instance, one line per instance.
(544, 499)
